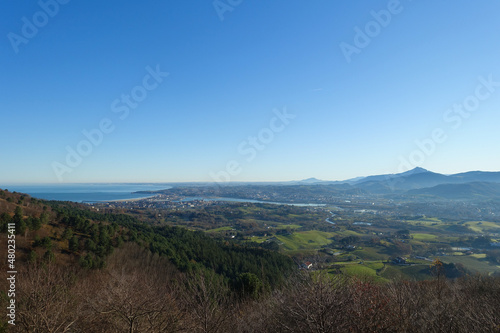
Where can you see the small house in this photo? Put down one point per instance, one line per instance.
(307, 265)
(399, 261)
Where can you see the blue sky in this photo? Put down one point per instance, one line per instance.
(227, 79)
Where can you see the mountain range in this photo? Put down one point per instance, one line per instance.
(422, 182)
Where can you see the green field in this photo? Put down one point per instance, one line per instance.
(374, 243)
(303, 240)
(375, 265)
(478, 255)
(371, 253)
(363, 271)
(392, 273)
(483, 226)
(346, 233)
(471, 263)
(285, 226)
(424, 237)
(220, 229)
(358, 270)
(424, 221)
(258, 239)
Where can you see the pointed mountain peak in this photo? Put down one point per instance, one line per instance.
(311, 180)
(414, 171)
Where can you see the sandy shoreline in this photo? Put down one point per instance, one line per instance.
(123, 200)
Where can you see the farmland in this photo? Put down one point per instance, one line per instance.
(367, 249)
(347, 238)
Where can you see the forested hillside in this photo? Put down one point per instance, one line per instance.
(87, 271)
(69, 231)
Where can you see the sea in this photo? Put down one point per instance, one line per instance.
(91, 193)
(86, 193)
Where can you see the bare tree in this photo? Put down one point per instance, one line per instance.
(312, 305)
(138, 295)
(209, 302)
(46, 301)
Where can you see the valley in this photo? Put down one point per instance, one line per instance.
(345, 231)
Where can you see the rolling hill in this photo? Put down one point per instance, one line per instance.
(472, 190)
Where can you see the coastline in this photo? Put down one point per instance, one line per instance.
(124, 200)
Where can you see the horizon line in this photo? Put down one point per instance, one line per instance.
(214, 182)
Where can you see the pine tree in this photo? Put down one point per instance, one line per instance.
(74, 244)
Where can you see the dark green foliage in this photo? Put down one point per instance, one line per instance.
(349, 240)
(119, 241)
(46, 242)
(90, 245)
(450, 271)
(405, 233)
(36, 224)
(273, 246)
(188, 250)
(32, 256)
(44, 218)
(86, 261)
(67, 234)
(91, 262)
(18, 220)
(104, 238)
(94, 233)
(29, 223)
(100, 251)
(73, 244)
(21, 227)
(248, 284)
(493, 255)
(49, 256)
(482, 242)
(5, 219)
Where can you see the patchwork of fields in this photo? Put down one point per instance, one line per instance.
(366, 249)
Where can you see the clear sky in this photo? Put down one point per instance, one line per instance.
(255, 90)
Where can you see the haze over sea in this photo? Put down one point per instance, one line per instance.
(85, 192)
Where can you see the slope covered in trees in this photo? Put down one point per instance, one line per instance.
(92, 236)
(86, 271)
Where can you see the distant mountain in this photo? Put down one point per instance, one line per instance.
(415, 179)
(311, 181)
(414, 171)
(377, 187)
(390, 183)
(354, 180)
(472, 190)
(386, 177)
(314, 181)
(477, 176)
(419, 178)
